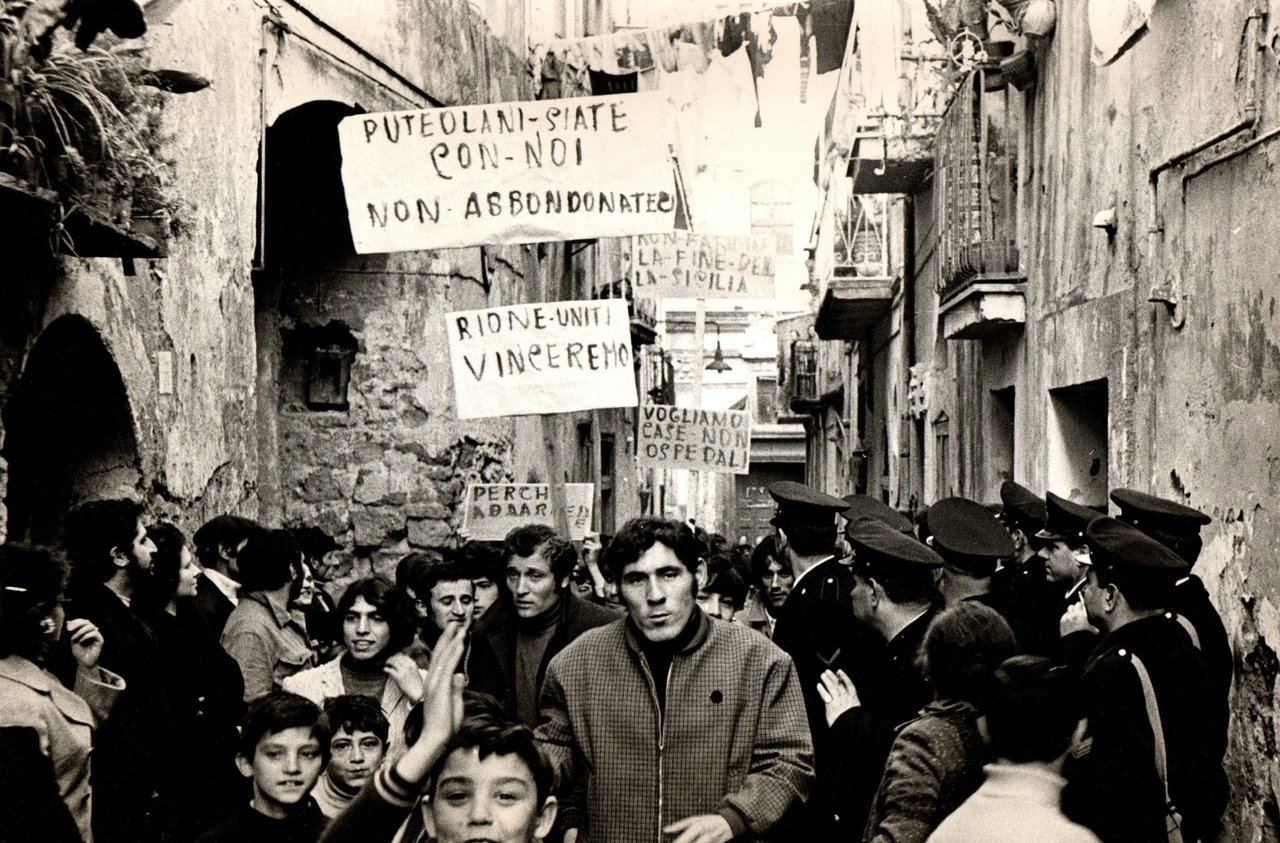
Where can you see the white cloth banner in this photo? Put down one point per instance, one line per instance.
(717, 441)
(551, 357)
(519, 172)
(491, 510)
(680, 264)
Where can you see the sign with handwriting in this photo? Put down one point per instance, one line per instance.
(494, 509)
(687, 437)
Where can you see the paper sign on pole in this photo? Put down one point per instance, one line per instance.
(552, 357)
(701, 266)
(491, 510)
(517, 172)
(686, 437)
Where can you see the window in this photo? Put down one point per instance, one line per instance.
(942, 457)
(766, 398)
(998, 443)
(1077, 443)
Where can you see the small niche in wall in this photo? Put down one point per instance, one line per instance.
(327, 353)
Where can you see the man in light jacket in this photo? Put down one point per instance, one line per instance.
(677, 728)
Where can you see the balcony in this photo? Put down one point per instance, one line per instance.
(980, 284)
(861, 287)
(643, 313)
(802, 381)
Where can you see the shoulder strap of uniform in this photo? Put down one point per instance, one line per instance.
(1157, 733)
(1186, 624)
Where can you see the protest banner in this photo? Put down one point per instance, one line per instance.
(682, 264)
(551, 357)
(718, 441)
(517, 172)
(491, 510)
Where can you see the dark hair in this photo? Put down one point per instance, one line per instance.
(494, 736)
(474, 704)
(424, 572)
(1033, 710)
(902, 583)
(962, 647)
(166, 566)
(407, 570)
(353, 713)
(810, 539)
(268, 561)
(276, 712)
(97, 528)
(729, 584)
(313, 541)
(383, 596)
(716, 562)
(640, 534)
(483, 559)
(766, 550)
(561, 555)
(221, 531)
(1143, 592)
(31, 581)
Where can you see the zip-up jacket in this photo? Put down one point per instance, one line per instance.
(734, 739)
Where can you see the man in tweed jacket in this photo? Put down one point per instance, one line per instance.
(676, 728)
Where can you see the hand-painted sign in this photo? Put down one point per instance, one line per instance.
(491, 510)
(553, 357)
(686, 437)
(701, 266)
(517, 172)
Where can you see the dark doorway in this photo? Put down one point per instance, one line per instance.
(68, 432)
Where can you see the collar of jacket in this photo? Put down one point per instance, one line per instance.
(279, 611)
(25, 672)
(699, 637)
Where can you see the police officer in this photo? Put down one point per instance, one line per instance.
(971, 543)
(865, 506)
(817, 628)
(1021, 580)
(1177, 527)
(1115, 787)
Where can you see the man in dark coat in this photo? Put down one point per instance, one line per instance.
(134, 777)
(1021, 579)
(972, 544)
(513, 644)
(1115, 785)
(218, 542)
(817, 628)
(1177, 527)
(894, 595)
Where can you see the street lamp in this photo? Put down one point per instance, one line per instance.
(717, 363)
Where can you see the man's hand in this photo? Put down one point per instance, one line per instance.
(838, 694)
(704, 828)
(441, 706)
(405, 674)
(570, 836)
(1075, 619)
(86, 642)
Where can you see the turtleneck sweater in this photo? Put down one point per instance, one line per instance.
(659, 654)
(332, 796)
(364, 678)
(532, 637)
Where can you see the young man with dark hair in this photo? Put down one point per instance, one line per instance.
(669, 723)
(1032, 718)
(357, 744)
(217, 543)
(266, 638)
(441, 595)
(723, 596)
(513, 646)
(134, 786)
(284, 743)
(1115, 789)
(485, 563)
(772, 579)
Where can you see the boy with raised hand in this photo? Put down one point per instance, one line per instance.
(284, 743)
(482, 779)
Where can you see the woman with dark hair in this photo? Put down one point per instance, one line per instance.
(376, 628)
(936, 760)
(32, 620)
(204, 684)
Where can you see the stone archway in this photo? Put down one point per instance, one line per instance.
(68, 432)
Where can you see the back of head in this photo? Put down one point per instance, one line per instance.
(312, 541)
(268, 561)
(962, 649)
(31, 580)
(639, 535)
(276, 712)
(1032, 711)
(94, 530)
(221, 531)
(483, 560)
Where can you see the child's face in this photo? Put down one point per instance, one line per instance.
(353, 756)
(494, 799)
(284, 769)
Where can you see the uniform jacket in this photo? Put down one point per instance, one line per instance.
(1018, 803)
(1114, 788)
(268, 641)
(1191, 601)
(733, 741)
(935, 763)
(63, 721)
(492, 665)
(325, 682)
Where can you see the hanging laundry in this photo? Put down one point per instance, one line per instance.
(831, 20)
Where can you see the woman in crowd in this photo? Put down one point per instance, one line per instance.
(204, 683)
(376, 628)
(936, 760)
(31, 698)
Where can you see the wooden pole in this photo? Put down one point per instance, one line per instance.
(699, 343)
(549, 423)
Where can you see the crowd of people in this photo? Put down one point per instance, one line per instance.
(1032, 671)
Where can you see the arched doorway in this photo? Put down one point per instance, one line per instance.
(68, 433)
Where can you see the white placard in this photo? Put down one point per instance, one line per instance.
(552, 357)
(494, 509)
(517, 172)
(717, 441)
(681, 264)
